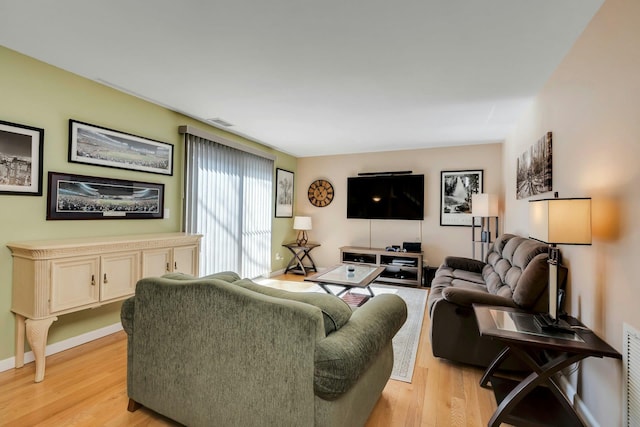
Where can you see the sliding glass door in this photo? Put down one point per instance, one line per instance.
(228, 199)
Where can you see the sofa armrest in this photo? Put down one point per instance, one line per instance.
(460, 263)
(126, 314)
(468, 297)
(345, 354)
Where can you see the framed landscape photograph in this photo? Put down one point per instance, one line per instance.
(284, 193)
(100, 146)
(90, 197)
(456, 190)
(21, 150)
(534, 171)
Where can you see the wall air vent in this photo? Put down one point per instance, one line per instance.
(218, 121)
(631, 380)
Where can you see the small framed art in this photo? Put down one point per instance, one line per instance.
(21, 149)
(456, 190)
(284, 193)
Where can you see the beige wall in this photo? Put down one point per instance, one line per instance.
(37, 94)
(592, 105)
(332, 229)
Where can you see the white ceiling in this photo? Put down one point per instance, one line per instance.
(315, 77)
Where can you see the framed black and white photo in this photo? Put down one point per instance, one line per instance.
(21, 150)
(534, 171)
(90, 197)
(456, 189)
(96, 145)
(284, 193)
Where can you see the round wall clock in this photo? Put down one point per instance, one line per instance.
(320, 193)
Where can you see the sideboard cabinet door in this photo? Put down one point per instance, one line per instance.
(185, 260)
(119, 274)
(156, 262)
(74, 283)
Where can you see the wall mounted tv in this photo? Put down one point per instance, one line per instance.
(386, 197)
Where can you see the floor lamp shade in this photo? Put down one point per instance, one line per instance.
(484, 204)
(559, 222)
(302, 224)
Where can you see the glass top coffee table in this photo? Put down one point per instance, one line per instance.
(347, 275)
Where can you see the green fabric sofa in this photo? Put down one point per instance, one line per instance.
(221, 351)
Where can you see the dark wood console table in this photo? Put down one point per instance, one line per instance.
(538, 399)
(300, 252)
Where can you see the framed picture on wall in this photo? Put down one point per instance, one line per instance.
(21, 150)
(456, 189)
(100, 146)
(284, 193)
(534, 169)
(90, 197)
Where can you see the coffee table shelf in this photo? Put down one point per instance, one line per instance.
(403, 268)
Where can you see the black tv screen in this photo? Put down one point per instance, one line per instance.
(386, 197)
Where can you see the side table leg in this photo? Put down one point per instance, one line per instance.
(37, 331)
(493, 366)
(531, 382)
(20, 323)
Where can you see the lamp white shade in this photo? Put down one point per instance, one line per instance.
(302, 223)
(484, 204)
(561, 221)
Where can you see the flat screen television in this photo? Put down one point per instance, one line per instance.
(386, 197)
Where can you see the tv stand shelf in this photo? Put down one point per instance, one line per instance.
(403, 268)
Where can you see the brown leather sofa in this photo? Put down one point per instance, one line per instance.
(515, 273)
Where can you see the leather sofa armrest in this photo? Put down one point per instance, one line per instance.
(344, 355)
(468, 297)
(460, 263)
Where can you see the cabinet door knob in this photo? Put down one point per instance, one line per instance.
(168, 268)
(93, 280)
(105, 278)
(175, 266)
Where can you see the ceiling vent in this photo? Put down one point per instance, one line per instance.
(218, 121)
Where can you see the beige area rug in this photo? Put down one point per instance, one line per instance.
(406, 341)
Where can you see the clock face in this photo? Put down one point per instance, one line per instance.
(320, 193)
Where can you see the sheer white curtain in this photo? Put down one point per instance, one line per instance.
(228, 199)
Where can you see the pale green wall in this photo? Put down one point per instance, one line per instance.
(36, 94)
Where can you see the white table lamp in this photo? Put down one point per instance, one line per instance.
(302, 224)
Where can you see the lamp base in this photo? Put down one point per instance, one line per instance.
(302, 238)
(548, 324)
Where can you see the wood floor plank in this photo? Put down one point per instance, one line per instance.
(86, 386)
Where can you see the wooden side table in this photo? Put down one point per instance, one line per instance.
(538, 399)
(300, 252)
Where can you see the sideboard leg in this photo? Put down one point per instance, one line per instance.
(19, 340)
(37, 331)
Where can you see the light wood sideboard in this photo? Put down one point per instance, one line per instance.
(56, 277)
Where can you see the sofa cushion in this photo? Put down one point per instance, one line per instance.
(335, 312)
(507, 259)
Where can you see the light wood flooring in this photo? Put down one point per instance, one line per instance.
(86, 386)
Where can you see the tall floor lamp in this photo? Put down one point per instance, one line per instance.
(558, 222)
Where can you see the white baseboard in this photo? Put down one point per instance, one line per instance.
(54, 348)
(276, 273)
(578, 404)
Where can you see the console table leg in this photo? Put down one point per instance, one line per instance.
(20, 323)
(37, 331)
